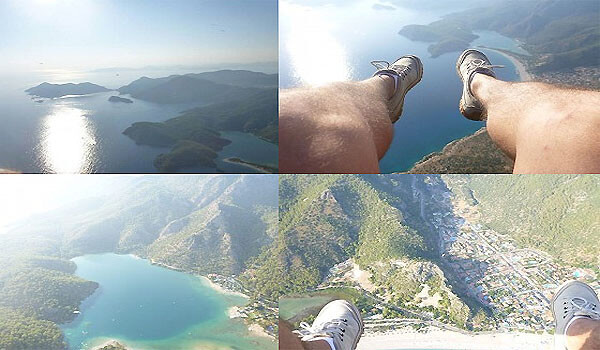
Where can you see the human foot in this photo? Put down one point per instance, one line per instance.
(339, 323)
(407, 71)
(571, 301)
(470, 63)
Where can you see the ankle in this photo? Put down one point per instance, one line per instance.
(478, 83)
(386, 84)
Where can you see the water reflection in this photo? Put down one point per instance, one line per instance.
(316, 56)
(67, 141)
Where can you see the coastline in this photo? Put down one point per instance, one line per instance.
(441, 339)
(221, 289)
(524, 75)
(234, 160)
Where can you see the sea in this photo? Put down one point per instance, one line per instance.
(145, 306)
(84, 134)
(326, 41)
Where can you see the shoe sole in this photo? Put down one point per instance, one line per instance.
(420, 65)
(461, 107)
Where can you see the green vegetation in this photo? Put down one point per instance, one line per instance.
(446, 36)
(459, 157)
(212, 224)
(185, 154)
(21, 332)
(553, 213)
(561, 34)
(36, 293)
(256, 114)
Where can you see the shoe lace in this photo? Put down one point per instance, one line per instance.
(385, 65)
(582, 307)
(479, 63)
(327, 329)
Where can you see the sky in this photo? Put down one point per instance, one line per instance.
(97, 34)
(24, 195)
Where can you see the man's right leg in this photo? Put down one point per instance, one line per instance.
(583, 334)
(576, 311)
(544, 128)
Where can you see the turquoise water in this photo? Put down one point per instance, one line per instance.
(340, 39)
(150, 307)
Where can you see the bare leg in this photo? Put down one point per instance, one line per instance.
(584, 334)
(545, 129)
(290, 341)
(338, 128)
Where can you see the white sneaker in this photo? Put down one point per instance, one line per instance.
(339, 323)
(572, 300)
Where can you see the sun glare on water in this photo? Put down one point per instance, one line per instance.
(316, 56)
(67, 142)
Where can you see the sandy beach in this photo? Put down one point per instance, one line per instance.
(257, 330)
(524, 75)
(440, 339)
(223, 290)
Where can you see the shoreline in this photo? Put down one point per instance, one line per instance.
(238, 161)
(222, 289)
(441, 339)
(522, 71)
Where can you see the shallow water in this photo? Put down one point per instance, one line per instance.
(150, 307)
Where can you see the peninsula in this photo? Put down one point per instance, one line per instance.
(119, 99)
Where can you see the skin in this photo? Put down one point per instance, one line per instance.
(347, 135)
(290, 341)
(583, 334)
(544, 128)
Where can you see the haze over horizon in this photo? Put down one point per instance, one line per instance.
(89, 35)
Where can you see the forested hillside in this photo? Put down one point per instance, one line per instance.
(388, 225)
(557, 214)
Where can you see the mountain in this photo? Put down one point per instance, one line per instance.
(200, 224)
(556, 214)
(208, 87)
(194, 136)
(58, 90)
(561, 34)
(243, 78)
(432, 247)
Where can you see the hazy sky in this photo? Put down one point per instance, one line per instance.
(24, 195)
(92, 34)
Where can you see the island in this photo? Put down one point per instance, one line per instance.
(49, 90)
(119, 99)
